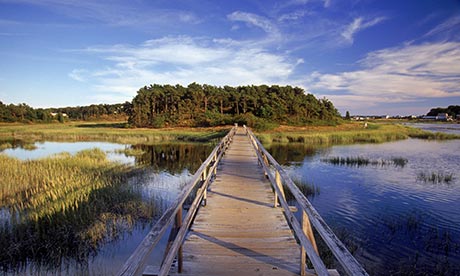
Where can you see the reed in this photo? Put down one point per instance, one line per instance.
(435, 177)
(66, 206)
(307, 188)
(55, 184)
(360, 161)
(131, 151)
(5, 145)
(348, 134)
(75, 131)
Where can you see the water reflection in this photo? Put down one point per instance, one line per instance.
(173, 158)
(292, 153)
(100, 234)
(396, 223)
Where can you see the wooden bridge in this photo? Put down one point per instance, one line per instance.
(241, 224)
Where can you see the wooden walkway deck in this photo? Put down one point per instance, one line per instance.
(239, 232)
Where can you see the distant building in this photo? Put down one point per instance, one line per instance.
(442, 117)
(54, 114)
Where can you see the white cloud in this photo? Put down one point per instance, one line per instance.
(78, 75)
(357, 25)
(183, 60)
(448, 27)
(296, 15)
(401, 74)
(115, 12)
(255, 20)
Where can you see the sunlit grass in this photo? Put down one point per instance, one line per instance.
(54, 184)
(348, 134)
(77, 131)
(130, 151)
(65, 206)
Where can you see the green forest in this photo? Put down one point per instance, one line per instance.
(24, 113)
(159, 106)
(259, 106)
(452, 110)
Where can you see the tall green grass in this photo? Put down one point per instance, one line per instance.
(64, 207)
(110, 132)
(375, 133)
(55, 184)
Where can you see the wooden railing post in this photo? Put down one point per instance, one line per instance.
(266, 164)
(279, 183)
(204, 175)
(178, 225)
(214, 172)
(307, 229)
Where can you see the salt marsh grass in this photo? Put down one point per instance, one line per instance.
(435, 177)
(348, 134)
(64, 207)
(108, 132)
(360, 161)
(55, 184)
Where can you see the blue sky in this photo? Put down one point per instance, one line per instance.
(396, 57)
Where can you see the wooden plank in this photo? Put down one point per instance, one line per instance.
(136, 261)
(239, 231)
(341, 253)
(153, 271)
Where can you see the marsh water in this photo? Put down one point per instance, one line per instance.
(451, 128)
(398, 218)
(75, 242)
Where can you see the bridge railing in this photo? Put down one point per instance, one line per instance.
(199, 182)
(310, 217)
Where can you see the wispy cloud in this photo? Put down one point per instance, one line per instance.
(254, 20)
(357, 25)
(446, 28)
(327, 3)
(78, 75)
(115, 12)
(184, 60)
(401, 74)
(295, 15)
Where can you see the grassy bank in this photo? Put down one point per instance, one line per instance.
(55, 184)
(348, 133)
(65, 206)
(110, 132)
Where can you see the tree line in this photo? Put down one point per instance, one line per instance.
(206, 105)
(24, 113)
(157, 105)
(451, 110)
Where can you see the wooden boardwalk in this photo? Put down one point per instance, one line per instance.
(239, 232)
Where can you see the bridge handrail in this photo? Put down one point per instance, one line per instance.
(137, 260)
(341, 253)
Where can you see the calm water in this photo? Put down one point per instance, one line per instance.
(439, 127)
(395, 219)
(69, 243)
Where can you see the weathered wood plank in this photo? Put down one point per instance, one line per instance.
(239, 231)
(341, 253)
